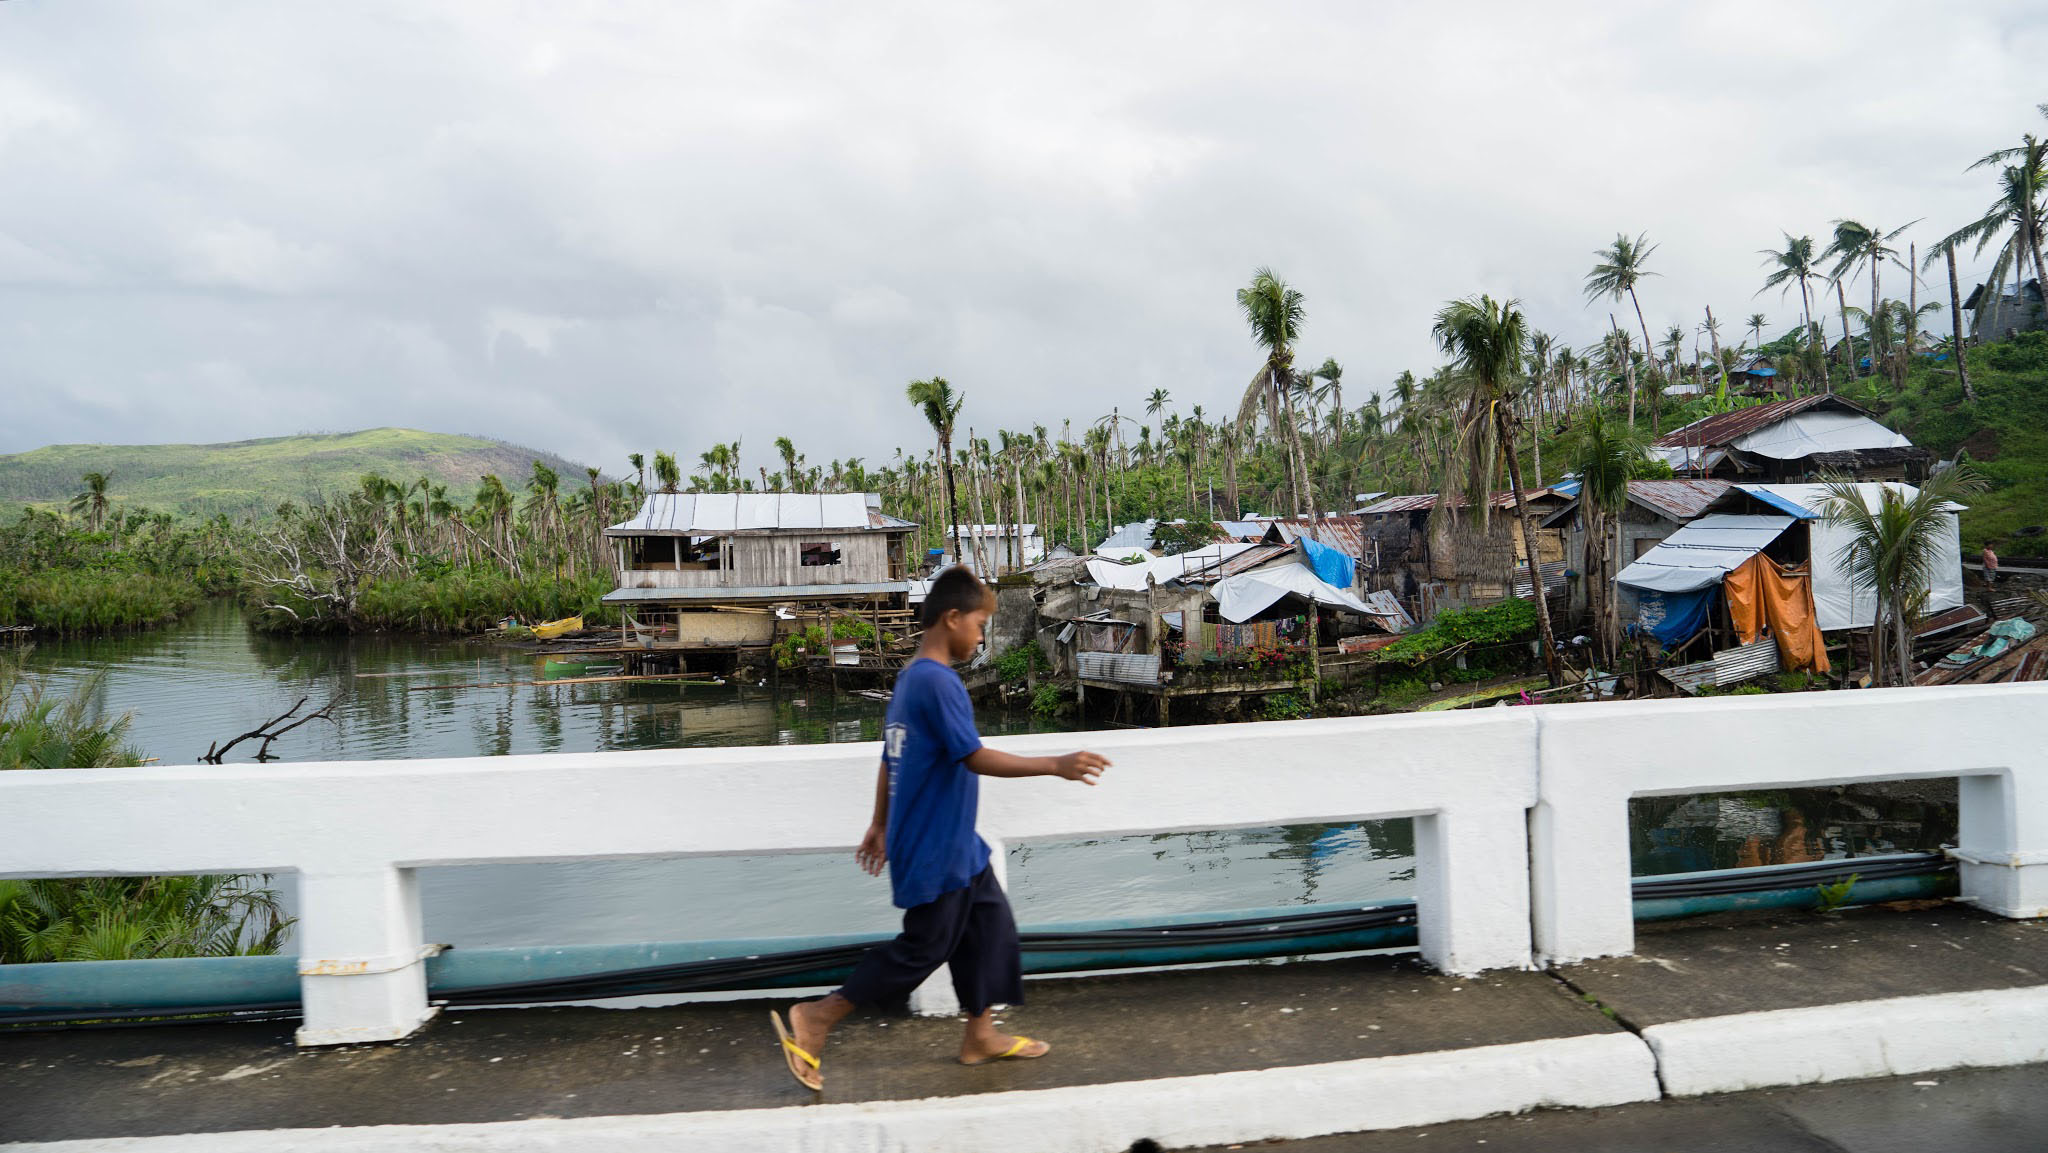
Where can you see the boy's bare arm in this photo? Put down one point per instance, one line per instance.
(1084, 767)
(873, 852)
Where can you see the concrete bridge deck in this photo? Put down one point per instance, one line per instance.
(670, 1077)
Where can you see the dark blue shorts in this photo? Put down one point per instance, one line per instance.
(970, 929)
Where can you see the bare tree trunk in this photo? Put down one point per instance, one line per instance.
(1848, 343)
(1629, 368)
(1955, 314)
(1507, 437)
(1649, 348)
(1716, 338)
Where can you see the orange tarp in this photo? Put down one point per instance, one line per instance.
(1763, 593)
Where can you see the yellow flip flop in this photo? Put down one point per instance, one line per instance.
(802, 1065)
(1015, 1052)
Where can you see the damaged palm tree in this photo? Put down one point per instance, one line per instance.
(1895, 542)
(1486, 340)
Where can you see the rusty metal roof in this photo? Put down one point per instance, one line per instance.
(1725, 427)
(1345, 533)
(1426, 501)
(1679, 500)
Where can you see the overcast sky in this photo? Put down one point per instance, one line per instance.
(597, 228)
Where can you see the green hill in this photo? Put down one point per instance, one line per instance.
(255, 475)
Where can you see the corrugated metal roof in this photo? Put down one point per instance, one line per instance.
(1346, 534)
(1703, 552)
(1250, 558)
(1425, 501)
(714, 513)
(1725, 427)
(1421, 502)
(1679, 500)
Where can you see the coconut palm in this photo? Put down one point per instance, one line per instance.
(1605, 457)
(1620, 267)
(1275, 312)
(1486, 340)
(2019, 216)
(1858, 243)
(1755, 325)
(667, 474)
(1155, 404)
(938, 402)
(1332, 390)
(1893, 548)
(1795, 264)
(92, 499)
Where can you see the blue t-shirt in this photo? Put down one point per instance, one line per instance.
(933, 795)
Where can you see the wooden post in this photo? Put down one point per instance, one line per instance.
(1315, 654)
(1164, 722)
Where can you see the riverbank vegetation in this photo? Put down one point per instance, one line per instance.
(119, 569)
(113, 918)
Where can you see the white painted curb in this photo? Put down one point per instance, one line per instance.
(1851, 1041)
(1215, 1108)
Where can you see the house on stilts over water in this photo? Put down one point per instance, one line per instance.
(730, 573)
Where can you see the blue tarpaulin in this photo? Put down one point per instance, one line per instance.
(1333, 568)
(1672, 617)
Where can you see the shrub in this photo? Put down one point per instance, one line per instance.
(1050, 700)
(1283, 707)
(1016, 665)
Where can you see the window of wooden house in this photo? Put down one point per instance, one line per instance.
(818, 555)
(654, 551)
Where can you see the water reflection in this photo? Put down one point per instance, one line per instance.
(1742, 830)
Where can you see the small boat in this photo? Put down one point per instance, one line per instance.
(552, 668)
(549, 630)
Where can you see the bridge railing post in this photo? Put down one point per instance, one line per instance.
(362, 970)
(2002, 842)
(1472, 887)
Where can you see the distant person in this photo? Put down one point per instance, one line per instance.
(1990, 565)
(926, 796)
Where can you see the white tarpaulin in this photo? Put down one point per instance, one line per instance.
(1836, 605)
(1111, 575)
(1246, 595)
(1806, 433)
(1702, 552)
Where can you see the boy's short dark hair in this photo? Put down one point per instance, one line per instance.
(955, 590)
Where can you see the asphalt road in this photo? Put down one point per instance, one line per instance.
(1960, 1111)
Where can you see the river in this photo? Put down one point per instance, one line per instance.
(209, 678)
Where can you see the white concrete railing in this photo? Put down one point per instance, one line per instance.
(355, 832)
(1594, 758)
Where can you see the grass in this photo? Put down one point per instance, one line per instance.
(94, 601)
(464, 600)
(256, 475)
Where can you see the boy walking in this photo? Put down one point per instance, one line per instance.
(926, 795)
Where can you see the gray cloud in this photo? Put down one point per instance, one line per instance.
(601, 228)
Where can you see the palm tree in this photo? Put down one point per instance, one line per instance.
(667, 473)
(1620, 267)
(1605, 457)
(1893, 548)
(1275, 312)
(1156, 404)
(1796, 264)
(92, 500)
(1332, 375)
(1756, 324)
(1486, 340)
(1858, 243)
(938, 402)
(2020, 214)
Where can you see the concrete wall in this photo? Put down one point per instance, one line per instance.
(1488, 868)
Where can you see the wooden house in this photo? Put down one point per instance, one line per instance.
(708, 570)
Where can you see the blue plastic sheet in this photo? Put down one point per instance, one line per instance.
(1330, 566)
(1672, 617)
